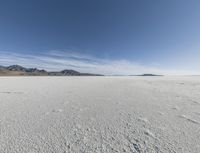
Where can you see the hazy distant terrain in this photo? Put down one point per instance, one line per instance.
(17, 70)
(100, 114)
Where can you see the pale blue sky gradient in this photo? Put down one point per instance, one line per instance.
(140, 36)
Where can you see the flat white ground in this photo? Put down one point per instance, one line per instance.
(100, 114)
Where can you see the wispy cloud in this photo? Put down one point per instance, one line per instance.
(59, 60)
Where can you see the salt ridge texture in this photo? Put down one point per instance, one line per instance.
(99, 114)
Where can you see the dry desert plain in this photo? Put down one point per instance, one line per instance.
(100, 114)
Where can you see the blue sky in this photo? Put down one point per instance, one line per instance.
(102, 36)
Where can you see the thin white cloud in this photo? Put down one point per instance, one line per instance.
(59, 60)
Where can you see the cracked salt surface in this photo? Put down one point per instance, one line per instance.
(99, 114)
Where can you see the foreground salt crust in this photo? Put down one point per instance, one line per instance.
(99, 114)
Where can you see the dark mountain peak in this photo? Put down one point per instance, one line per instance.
(35, 70)
(16, 68)
(150, 75)
(21, 68)
(70, 72)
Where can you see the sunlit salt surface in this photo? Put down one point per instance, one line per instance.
(99, 114)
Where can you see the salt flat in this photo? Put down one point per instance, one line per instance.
(100, 114)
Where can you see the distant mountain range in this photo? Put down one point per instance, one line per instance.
(17, 70)
(149, 75)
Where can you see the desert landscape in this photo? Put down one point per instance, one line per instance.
(100, 114)
(107, 76)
